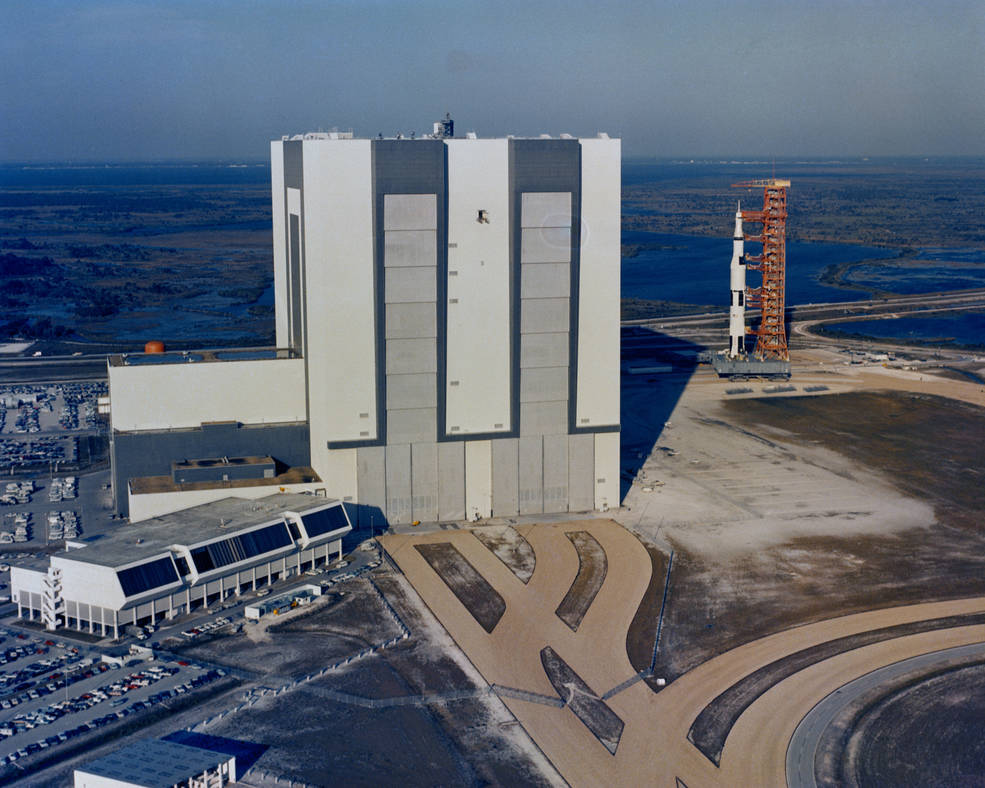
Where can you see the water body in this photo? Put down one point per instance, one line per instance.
(694, 270)
(40, 176)
(929, 271)
(679, 268)
(957, 330)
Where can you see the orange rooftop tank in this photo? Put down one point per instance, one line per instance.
(154, 346)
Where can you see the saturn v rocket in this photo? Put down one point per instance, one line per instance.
(737, 308)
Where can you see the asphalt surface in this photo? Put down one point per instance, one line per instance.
(802, 750)
(54, 369)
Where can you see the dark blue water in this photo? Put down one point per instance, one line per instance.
(684, 269)
(967, 329)
(931, 270)
(40, 176)
(694, 270)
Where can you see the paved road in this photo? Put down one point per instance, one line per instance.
(55, 368)
(802, 750)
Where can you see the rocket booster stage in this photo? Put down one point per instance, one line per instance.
(737, 308)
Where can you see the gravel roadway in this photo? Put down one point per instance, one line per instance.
(653, 748)
(803, 747)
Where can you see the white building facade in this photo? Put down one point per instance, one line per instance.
(164, 567)
(447, 316)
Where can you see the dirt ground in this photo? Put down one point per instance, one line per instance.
(509, 547)
(322, 732)
(592, 567)
(786, 510)
(642, 634)
(471, 588)
(926, 733)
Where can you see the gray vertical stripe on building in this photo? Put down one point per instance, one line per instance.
(531, 474)
(294, 266)
(556, 473)
(424, 481)
(505, 477)
(398, 483)
(581, 472)
(293, 151)
(551, 166)
(371, 478)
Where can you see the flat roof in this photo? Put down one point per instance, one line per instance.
(212, 462)
(131, 543)
(414, 137)
(298, 474)
(155, 763)
(201, 356)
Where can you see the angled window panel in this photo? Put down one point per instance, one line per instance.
(324, 521)
(241, 547)
(144, 577)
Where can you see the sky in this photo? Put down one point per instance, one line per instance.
(120, 80)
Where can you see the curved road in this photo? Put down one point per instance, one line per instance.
(802, 750)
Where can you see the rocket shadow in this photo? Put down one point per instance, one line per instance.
(649, 397)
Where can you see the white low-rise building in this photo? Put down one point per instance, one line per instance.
(157, 763)
(166, 566)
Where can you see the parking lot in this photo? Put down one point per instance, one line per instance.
(51, 408)
(54, 690)
(363, 558)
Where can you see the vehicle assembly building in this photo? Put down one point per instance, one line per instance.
(447, 318)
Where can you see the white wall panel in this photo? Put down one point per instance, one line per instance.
(478, 328)
(339, 474)
(478, 478)
(147, 505)
(598, 303)
(280, 243)
(163, 396)
(451, 481)
(96, 584)
(338, 250)
(606, 470)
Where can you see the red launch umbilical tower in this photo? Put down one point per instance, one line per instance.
(771, 336)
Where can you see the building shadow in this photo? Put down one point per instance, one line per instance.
(367, 521)
(247, 753)
(655, 370)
